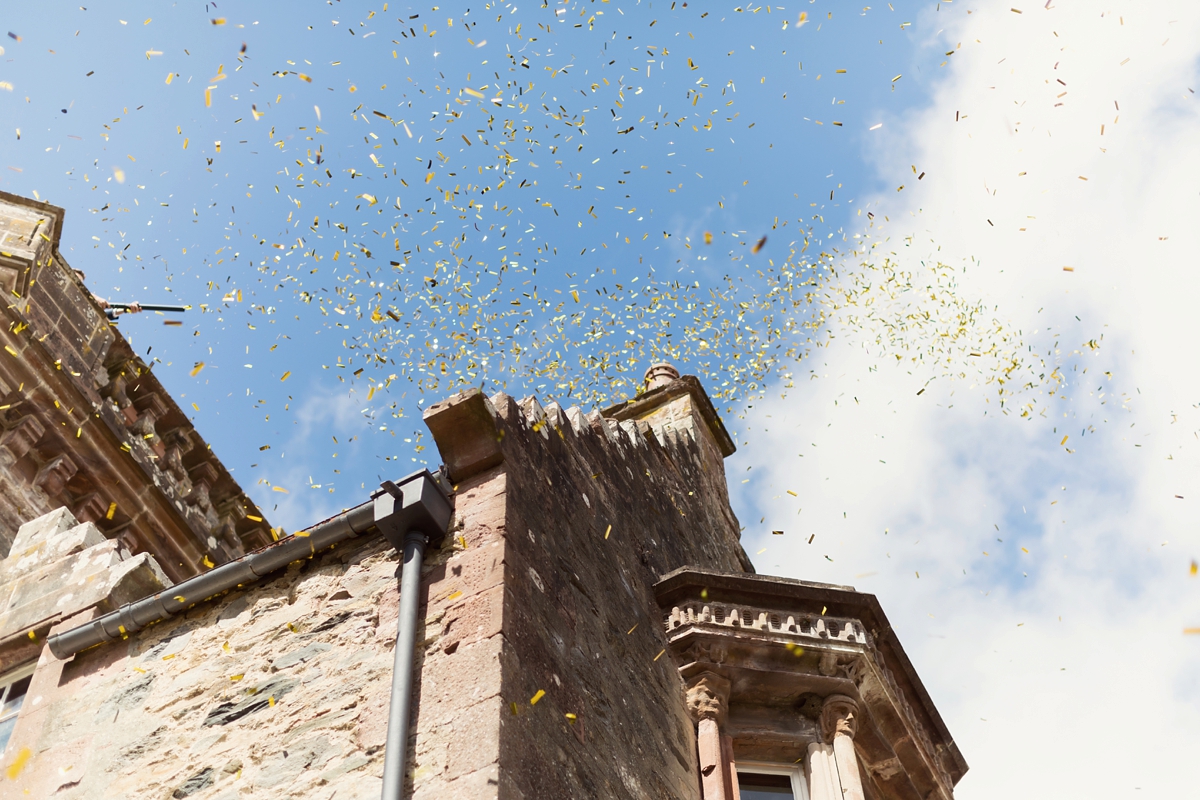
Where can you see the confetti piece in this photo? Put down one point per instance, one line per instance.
(118, 175)
(607, 531)
(1194, 568)
(533, 701)
(196, 371)
(23, 756)
(208, 562)
(473, 93)
(219, 21)
(454, 595)
(281, 490)
(286, 375)
(112, 509)
(758, 245)
(237, 677)
(660, 654)
(1064, 441)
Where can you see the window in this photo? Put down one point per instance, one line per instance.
(13, 686)
(760, 781)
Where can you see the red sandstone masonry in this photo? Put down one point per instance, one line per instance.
(526, 594)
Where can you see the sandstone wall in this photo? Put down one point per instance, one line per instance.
(538, 606)
(594, 514)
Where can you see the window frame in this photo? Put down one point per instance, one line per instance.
(7, 679)
(794, 771)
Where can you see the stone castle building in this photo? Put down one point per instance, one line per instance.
(563, 610)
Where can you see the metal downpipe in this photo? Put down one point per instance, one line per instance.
(396, 752)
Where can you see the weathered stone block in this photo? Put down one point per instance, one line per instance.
(48, 551)
(464, 427)
(43, 528)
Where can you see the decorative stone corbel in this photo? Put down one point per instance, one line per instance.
(203, 476)
(92, 507)
(19, 439)
(53, 476)
(839, 724)
(150, 409)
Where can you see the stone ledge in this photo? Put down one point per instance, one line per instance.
(59, 567)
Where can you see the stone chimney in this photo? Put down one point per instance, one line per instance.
(672, 405)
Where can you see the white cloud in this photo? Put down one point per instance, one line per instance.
(1105, 700)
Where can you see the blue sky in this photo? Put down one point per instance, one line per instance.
(90, 98)
(1045, 154)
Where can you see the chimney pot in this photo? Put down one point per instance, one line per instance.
(660, 375)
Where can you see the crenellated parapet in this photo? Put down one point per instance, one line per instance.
(86, 425)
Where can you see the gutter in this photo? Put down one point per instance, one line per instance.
(411, 515)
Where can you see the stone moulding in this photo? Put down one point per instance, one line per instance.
(780, 641)
(799, 624)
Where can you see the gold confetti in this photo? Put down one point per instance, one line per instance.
(533, 701)
(14, 769)
(196, 371)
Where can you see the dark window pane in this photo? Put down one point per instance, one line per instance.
(6, 729)
(16, 693)
(758, 786)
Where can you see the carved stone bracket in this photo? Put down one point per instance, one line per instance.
(20, 438)
(92, 507)
(53, 476)
(150, 409)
